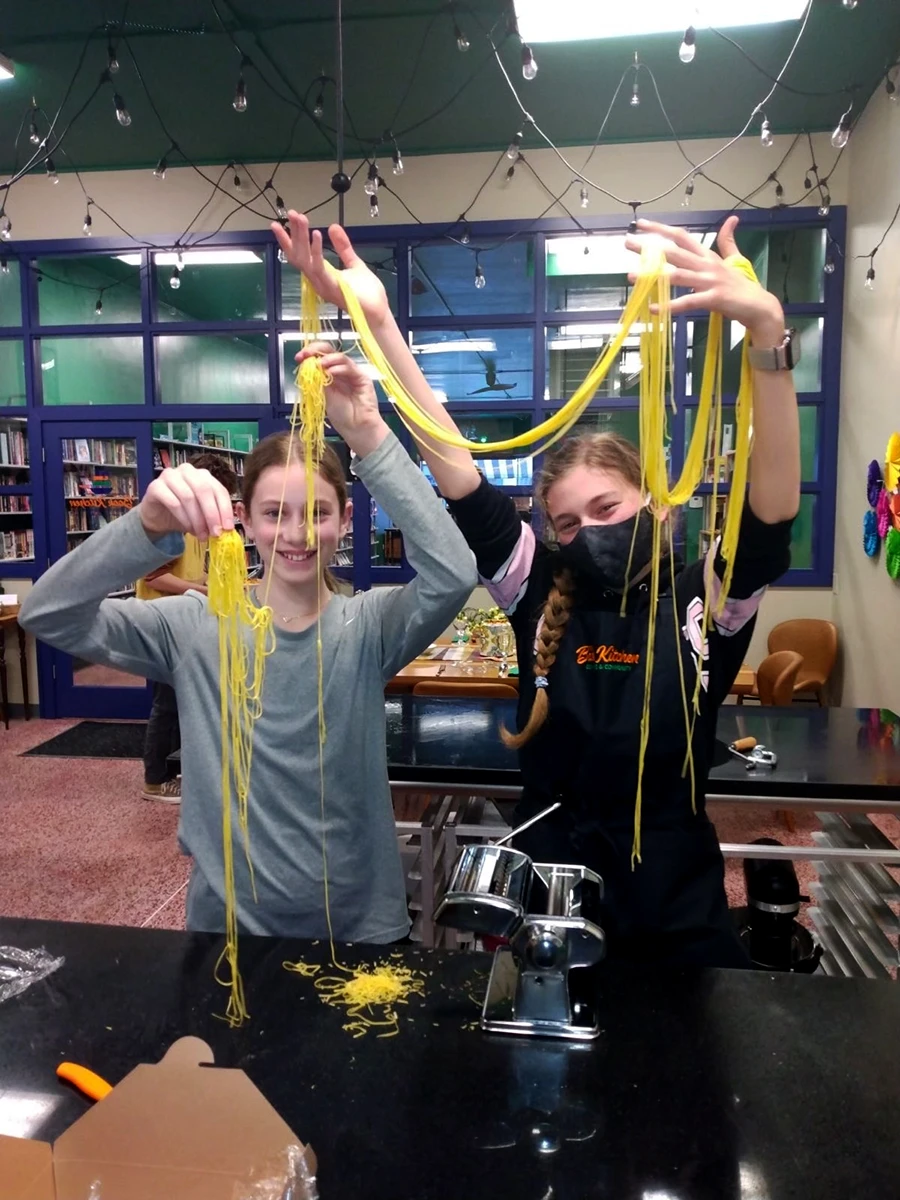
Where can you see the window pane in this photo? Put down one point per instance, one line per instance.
(442, 280)
(699, 524)
(213, 369)
(484, 364)
(209, 289)
(12, 373)
(621, 421)
(807, 374)
(513, 468)
(292, 342)
(588, 272)
(809, 442)
(70, 288)
(92, 370)
(385, 539)
(572, 351)
(789, 262)
(381, 259)
(10, 294)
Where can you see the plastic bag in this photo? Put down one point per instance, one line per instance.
(19, 969)
(289, 1177)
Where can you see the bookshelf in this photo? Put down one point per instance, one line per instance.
(99, 483)
(16, 513)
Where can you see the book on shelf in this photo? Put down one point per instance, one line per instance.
(13, 448)
(82, 450)
(113, 452)
(15, 504)
(17, 543)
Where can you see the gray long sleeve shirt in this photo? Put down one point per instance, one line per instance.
(366, 639)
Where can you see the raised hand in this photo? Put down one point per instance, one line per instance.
(304, 251)
(350, 399)
(185, 500)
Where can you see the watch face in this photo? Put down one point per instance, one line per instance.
(790, 342)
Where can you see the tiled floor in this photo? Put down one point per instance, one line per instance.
(78, 843)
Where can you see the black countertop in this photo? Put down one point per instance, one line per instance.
(711, 1085)
(823, 753)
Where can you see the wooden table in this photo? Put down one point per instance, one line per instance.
(470, 668)
(9, 619)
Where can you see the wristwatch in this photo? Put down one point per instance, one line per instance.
(777, 358)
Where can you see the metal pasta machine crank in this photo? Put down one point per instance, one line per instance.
(550, 915)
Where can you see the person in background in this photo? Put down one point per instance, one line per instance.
(184, 574)
(579, 605)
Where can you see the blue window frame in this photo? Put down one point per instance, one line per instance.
(537, 323)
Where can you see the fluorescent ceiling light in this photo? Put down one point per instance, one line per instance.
(472, 345)
(584, 20)
(325, 336)
(194, 258)
(7, 67)
(603, 255)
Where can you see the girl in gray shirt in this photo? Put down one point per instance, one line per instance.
(366, 638)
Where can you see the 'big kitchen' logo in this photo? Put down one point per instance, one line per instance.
(605, 658)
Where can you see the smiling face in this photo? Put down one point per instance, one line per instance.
(586, 495)
(291, 561)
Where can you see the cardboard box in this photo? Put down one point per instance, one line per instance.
(180, 1128)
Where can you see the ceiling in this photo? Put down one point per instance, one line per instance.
(190, 67)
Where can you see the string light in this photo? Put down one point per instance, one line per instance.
(280, 210)
(397, 161)
(161, 167)
(373, 179)
(829, 265)
(825, 206)
(466, 236)
(850, 4)
(88, 221)
(373, 205)
(5, 226)
(123, 116)
(632, 224)
(4, 265)
(529, 62)
(112, 64)
(319, 109)
(765, 133)
(462, 42)
(238, 183)
(512, 151)
(585, 196)
(51, 170)
(635, 90)
(688, 47)
(511, 170)
(890, 87)
(841, 135)
(239, 103)
(33, 136)
(175, 279)
(98, 307)
(480, 280)
(688, 193)
(870, 278)
(807, 183)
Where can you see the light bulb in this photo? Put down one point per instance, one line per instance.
(462, 42)
(123, 116)
(765, 133)
(466, 235)
(5, 227)
(239, 103)
(398, 162)
(282, 257)
(529, 63)
(779, 191)
(688, 192)
(841, 135)
(370, 187)
(825, 206)
(319, 110)
(870, 279)
(51, 171)
(161, 168)
(112, 64)
(86, 227)
(635, 95)
(480, 280)
(585, 196)
(688, 47)
(829, 265)
(512, 150)
(633, 225)
(280, 210)
(238, 185)
(890, 87)
(850, 4)
(373, 206)
(807, 183)
(33, 136)
(98, 307)
(4, 267)
(175, 279)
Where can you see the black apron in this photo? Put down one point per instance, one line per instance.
(672, 905)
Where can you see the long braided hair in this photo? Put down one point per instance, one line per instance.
(599, 451)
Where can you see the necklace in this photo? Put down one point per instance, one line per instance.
(295, 617)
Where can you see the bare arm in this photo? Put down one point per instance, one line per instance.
(171, 585)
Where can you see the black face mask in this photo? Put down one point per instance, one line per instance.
(601, 552)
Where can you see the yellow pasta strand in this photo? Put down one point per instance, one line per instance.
(245, 638)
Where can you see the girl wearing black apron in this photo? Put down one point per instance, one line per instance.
(581, 625)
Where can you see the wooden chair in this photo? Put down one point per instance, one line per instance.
(463, 689)
(776, 676)
(817, 642)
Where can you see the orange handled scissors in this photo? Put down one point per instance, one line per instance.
(86, 1081)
